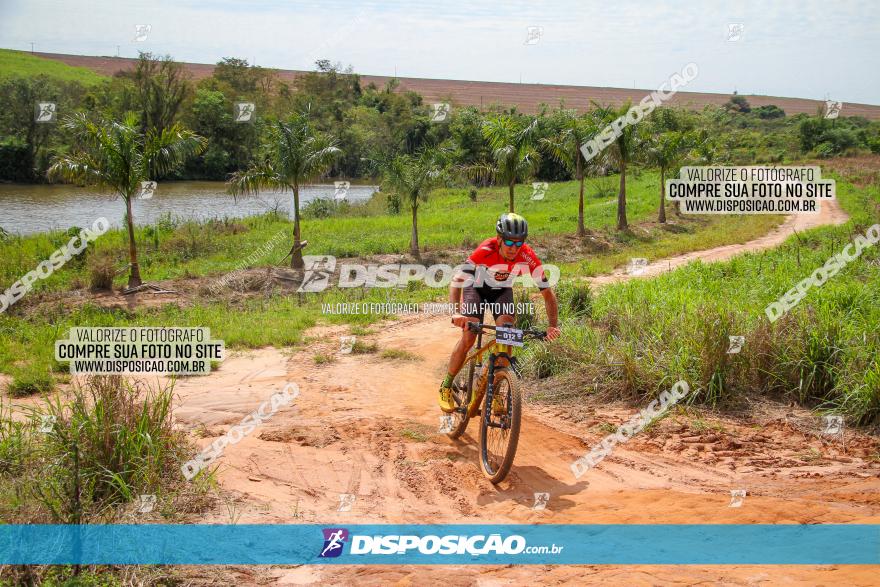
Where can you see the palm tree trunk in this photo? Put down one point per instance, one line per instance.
(414, 241)
(510, 193)
(661, 218)
(621, 198)
(134, 276)
(582, 231)
(296, 258)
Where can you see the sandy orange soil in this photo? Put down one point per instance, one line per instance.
(368, 427)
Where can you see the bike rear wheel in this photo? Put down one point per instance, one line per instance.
(499, 427)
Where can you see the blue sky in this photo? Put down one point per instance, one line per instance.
(788, 48)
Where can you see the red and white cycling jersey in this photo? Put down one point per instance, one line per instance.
(488, 255)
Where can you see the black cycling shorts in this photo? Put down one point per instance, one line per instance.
(476, 300)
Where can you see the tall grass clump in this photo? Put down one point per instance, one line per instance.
(643, 335)
(79, 458)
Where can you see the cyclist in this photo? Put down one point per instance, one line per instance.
(485, 282)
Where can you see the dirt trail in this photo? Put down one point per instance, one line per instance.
(368, 427)
(830, 213)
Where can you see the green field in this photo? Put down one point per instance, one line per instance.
(451, 225)
(23, 64)
(448, 221)
(635, 339)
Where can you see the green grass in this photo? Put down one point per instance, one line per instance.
(823, 354)
(108, 438)
(364, 348)
(417, 432)
(449, 220)
(606, 427)
(659, 243)
(398, 355)
(23, 64)
(32, 379)
(323, 358)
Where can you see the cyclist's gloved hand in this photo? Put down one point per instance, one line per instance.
(553, 333)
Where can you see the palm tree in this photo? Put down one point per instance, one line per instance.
(565, 147)
(513, 153)
(412, 177)
(623, 151)
(295, 154)
(666, 150)
(117, 155)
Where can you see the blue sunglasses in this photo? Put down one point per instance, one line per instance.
(511, 243)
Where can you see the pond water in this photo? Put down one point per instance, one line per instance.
(26, 209)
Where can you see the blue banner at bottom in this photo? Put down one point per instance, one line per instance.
(618, 544)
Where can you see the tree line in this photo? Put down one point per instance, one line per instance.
(154, 123)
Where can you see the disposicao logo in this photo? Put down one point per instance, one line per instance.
(334, 541)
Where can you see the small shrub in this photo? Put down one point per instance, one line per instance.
(151, 234)
(323, 358)
(576, 300)
(362, 348)
(102, 270)
(189, 241)
(737, 104)
(166, 223)
(30, 381)
(393, 203)
(605, 186)
(769, 112)
(472, 194)
(398, 355)
(227, 226)
(319, 208)
(111, 440)
(824, 150)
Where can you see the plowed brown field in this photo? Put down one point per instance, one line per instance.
(526, 97)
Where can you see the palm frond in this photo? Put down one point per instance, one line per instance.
(563, 148)
(78, 168)
(481, 172)
(163, 152)
(254, 179)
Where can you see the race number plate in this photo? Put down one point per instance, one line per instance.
(511, 336)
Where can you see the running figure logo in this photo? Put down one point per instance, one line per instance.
(334, 541)
(341, 189)
(46, 112)
(539, 188)
(440, 112)
(832, 109)
(244, 111)
(318, 270)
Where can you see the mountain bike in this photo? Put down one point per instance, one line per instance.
(490, 390)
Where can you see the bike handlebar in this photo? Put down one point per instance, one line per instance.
(476, 327)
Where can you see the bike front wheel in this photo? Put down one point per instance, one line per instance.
(499, 426)
(460, 418)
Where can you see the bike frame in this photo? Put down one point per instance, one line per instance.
(474, 360)
(481, 400)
